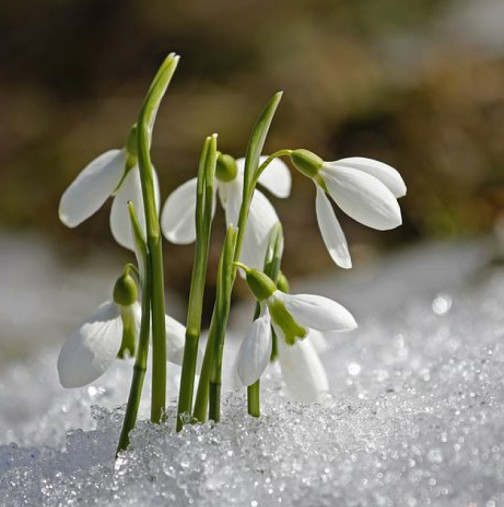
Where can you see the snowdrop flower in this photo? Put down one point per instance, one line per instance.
(114, 173)
(111, 332)
(293, 317)
(365, 189)
(178, 215)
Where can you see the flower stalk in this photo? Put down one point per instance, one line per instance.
(223, 304)
(272, 264)
(204, 207)
(212, 364)
(145, 124)
(140, 367)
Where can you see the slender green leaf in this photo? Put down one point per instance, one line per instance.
(258, 137)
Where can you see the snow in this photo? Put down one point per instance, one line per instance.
(415, 415)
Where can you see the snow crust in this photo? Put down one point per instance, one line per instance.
(415, 415)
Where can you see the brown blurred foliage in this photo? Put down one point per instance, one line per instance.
(408, 83)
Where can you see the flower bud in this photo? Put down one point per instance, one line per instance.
(306, 162)
(226, 168)
(125, 290)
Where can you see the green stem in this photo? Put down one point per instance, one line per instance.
(253, 402)
(219, 323)
(145, 124)
(143, 340)
(204, 207)
(262, 167)
(158, 332)
(223, 302)
(201, 403)
(139, 369)
(272, 263)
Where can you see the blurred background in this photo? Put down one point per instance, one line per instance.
(417, 84)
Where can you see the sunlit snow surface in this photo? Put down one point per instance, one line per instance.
(415, 416)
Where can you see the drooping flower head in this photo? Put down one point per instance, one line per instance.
(110, 332)
(293, 317)
(114, 173)
(365, 189)
(178, 214)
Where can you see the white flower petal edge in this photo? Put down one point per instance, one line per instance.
(136, 309)
(178, 218)
(332, 234)
(318, 340)
(276, 178)
(389, 176)
(317, 312)
(255, 351)
(262, 217)
(130, 190)
(175, 340)
(92, 347)
(362, 197)
(302, 370)
(95, 183)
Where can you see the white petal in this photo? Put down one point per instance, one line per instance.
(91, 348)
(389, 176)
(317, 312)
(262, 217)
(317, 339)
(178, 218)
(276, 177)
(137, 317)
(96, 182)
(362, 196)
(302, 370)
(240, 164)
(230, 196)
(175, 343)
(175, 340)
(255, 351)
(332, 234)
(120, 225)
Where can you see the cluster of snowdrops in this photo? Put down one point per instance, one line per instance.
(286, 327)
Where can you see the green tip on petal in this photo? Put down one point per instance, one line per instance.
(285, 321)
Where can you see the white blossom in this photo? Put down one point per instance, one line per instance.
(93, 346)
(106, 176)
(365, 189)
(178, 214)
(301, 367)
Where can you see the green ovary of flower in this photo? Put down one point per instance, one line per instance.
(307, 162)
(226, 168)
(125, 290)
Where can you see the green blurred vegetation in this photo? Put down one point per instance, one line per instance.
(393, 80)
